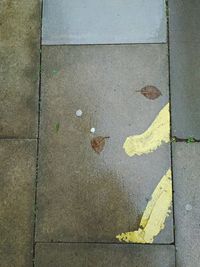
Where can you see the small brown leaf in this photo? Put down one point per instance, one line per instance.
(150, 92)
(98, 143)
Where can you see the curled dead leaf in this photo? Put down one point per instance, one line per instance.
(150, 92)
(98, 143)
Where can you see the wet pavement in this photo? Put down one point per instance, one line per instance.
(103, 22)
(186, 198)
(185, 65)
(97, 196)
(90, 169)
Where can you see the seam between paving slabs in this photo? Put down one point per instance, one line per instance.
(169, 85)
(188, 140)
(173, 138)
(104, 243)
(38, 136)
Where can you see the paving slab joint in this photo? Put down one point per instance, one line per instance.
(171, 137)
(104, 243)
(188, 140)
(38, 137)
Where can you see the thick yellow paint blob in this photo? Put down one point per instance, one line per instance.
(155, 214)
(152, 138)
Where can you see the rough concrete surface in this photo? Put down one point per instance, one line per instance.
(19, 67)
(186, 159)
(105, 255)
(184, 68)
(17, 182)
(103, 22)
(83, 196)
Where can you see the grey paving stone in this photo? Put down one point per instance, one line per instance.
(84, 196)
(185, 65)
(17, 179)
(105, 255)
(186, 159)
(103, 22)
(19, 67)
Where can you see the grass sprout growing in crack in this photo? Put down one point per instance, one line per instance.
(57, 127)
(190, 140)
(173, 139)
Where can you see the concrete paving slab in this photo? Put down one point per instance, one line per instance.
(186, 159)
(17, 179)
(19, 67)
(105, 255)
(103, 22)
(185, 65)
(83, 196)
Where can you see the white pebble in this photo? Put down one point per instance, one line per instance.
(188, 207)
(79, 113)
(92, 130)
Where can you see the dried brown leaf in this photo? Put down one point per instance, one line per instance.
(98, 143)
(150, 92)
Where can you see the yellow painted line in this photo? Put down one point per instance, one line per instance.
(152, 138)
(155, 214)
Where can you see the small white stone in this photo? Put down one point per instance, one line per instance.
(79, 113)
(92, 130)
(188, 207)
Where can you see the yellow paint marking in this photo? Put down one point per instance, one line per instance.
(152, 138)
(154, 216)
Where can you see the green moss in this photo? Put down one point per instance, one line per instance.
(190, 140)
